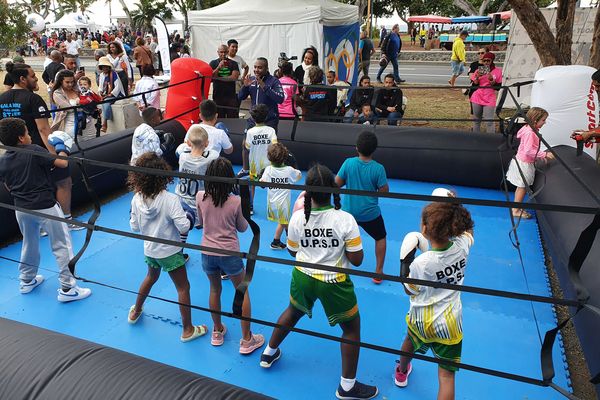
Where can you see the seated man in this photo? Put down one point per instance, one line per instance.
(388, 103)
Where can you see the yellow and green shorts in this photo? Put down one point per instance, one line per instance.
(449, 352)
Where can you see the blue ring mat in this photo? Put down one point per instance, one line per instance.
(499, 333)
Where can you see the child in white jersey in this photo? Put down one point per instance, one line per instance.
(435, 317)
(145, 138)
(194, 161)
(278, 200)
(158, 213)
(324, 235)
(257, 141)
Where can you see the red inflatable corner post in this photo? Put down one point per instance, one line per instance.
(187, 96)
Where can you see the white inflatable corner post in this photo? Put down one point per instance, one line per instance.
(566, 92)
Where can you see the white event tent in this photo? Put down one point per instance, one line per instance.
(266, 28)
(72, 22)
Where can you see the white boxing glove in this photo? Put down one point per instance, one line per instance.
(443, 192)
(182, 148)
(411, 242)
(61, 141)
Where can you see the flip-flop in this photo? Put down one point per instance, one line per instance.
(199, 330)
(133, 321)
(377, 281)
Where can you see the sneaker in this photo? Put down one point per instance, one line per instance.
(217, 337)
(43, 233)
(73, 227)
(25, 288)
(186, 257)
(401, 379)
(266, 361)
(358, 391)
(243, 173)
(224, 276)
(75, 293)
(255, 342)
(277, 244)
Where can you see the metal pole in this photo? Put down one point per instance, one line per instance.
(369, 18)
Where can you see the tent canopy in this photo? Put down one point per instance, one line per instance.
(70, 21)
(275, 12)
(504, 15)
(436, 19)
(472, 19)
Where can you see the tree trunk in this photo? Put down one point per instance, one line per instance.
(483, 7)
(539, 32)
(198, 4)
(362, 6)
(126, 11)
(466, 6)
(502, 6)
(595, 50)
(565, 14)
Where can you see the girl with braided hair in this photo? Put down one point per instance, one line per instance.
(220, 213)
(324, 234)
(434, 319)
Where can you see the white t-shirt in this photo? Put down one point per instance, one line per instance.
(324, 240)
(217, 138)
(188, 188)
(240, 62)
(73, 47)
(144, 140)
(435, 315)
(258, 140)
(278, 200)
(143, 85)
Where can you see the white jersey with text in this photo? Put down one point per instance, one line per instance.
(324, 240)
(258, 140)
(435, 315)
(187, 188)
(278, 200)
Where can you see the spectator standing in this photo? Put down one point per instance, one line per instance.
(391, 47)
(73, 47)
(65, 94)
(310, 58)
(382, 35)
(145, 84)
(457, 60)
(44, 42)
(120, 64)
(413, 36)
(483, 98)
(70, 62)
(226, 72)
(366, 51)
(232, 54)
(156, 56)
(422, 35)
(141, 54)
(290, 89)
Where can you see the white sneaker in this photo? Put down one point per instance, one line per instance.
(25, 288)
(73, 227)
(75, 293)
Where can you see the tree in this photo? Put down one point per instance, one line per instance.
(595, 50)
(146, 10)
(183, 6)
(41, 7)
(14, 27)
(73, 6)
(552, 50)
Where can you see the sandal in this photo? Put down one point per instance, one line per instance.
(377, 281)
(522, 214)
(132, 309)
(199, 330)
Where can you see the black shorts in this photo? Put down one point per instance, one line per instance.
(375, 228)
(59, 174)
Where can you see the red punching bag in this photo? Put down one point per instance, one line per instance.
(187, 96)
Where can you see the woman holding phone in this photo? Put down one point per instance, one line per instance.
(487, 78)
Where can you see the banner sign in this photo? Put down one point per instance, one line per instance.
(340, 51)
(163, 45)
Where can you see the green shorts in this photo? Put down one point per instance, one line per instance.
(338, 299)
(167, 264)
(450, 352)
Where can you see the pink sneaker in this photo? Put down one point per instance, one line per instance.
(401, 379)
(217, 338)
(248, 346)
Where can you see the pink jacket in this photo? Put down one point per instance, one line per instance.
(529, 147)
(290, 88)
(486, 97)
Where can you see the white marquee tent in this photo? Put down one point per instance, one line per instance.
(265, 28)
(72, 22)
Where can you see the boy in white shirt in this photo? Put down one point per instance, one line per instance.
(218, 140)
(257, 141)
(145, 139)
(194, 161)
(278, 200)
(145, 84)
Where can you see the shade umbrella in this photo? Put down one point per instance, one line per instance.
(436, 19)
(472, 19)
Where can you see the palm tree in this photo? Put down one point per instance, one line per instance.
(146, 10)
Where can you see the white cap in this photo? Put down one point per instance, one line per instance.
(442, 192)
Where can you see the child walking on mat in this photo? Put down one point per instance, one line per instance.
(521, 171)
(158, 213)
(278, 200)
(220, 212)
(434, 319)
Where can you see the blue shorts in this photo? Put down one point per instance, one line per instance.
(230, 265)
(458, 67)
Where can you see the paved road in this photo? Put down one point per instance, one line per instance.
(414, 73)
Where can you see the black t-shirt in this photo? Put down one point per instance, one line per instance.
(223, 91)
(28, 178)
(318, 102)
(366, 50)
(21, 103)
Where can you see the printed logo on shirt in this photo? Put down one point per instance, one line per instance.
(280, 180)
(319, 238)
(452, 273)
(261, 139)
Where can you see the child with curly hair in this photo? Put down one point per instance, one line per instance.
(278, 200)
(157, 213)
(434, 319)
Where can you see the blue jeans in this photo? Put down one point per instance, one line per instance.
(393, 118)
(394, 62)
